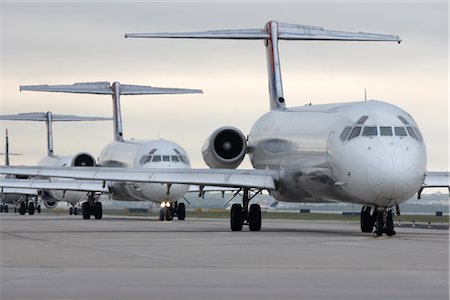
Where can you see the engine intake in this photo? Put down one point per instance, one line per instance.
(224, 148)
(83, 160)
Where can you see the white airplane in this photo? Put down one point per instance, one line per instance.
(12, 196)
(51, 197)
(369, 153)
(127, 154)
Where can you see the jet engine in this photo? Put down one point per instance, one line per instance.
(50, 204)
(83, 160)
(225, 148)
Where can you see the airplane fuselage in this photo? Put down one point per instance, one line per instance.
(382, 163)
(145, 154)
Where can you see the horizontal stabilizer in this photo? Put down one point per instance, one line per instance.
(285, 32)
(105, 88)
(42, 116)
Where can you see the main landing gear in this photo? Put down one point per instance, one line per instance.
(170, 210)
(92, 207)
(4, 208)
(29, 205)
(243, 215)
(381, 218)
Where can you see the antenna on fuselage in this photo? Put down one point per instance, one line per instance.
(115, 90)
(271, 33)
(49, 118)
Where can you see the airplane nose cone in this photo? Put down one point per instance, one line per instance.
(393, 178)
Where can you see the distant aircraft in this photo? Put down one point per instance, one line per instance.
(126, 154)
(369, 153)
(12, 196)
(51, 197)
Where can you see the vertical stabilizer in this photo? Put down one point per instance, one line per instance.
(6, 148)
(273, 67)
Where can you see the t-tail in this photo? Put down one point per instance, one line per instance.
(115, 90)
(49, 118)
(271, 33)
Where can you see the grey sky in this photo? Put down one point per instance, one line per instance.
(59, 43)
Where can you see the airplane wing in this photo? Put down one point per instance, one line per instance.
(22, 191)
(25, 186)
(435, 180)
(261, 179)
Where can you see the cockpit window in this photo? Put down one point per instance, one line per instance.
(362, 120)
(403, 120)
(400, 131)
(355, 132)
(156, 158)
(417, 132)
(345, 133)
(166, 158)
(153, 151)
(147, 159)
(412, 133)
(175, 158)
(370, 131)
(385, 131)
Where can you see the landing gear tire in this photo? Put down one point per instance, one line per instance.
(6, 208)
(162, 215)
(75, 211)
(38, 209)
(169, 215)
(254, 217)
(86, 211)
(379, 224)
(70, 211)
(390, 225)
(15, 209)
(1, 208)
(98, 210)
(22, 208)
(31, 208)
(367, 221)
(236, 217)
(181, 211)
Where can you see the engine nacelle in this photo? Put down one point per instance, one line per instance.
(83, 160)
(225, 148)
(50, 204)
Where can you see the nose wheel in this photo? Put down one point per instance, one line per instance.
(384, 222)
(170, 210)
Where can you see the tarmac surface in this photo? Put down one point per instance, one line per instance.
(64, 257)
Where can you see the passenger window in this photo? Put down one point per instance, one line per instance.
(400, 131)
(156, 158)
(345, 133)
(355, 132)
(385, 131)
(175, 158)
(370, 131)
(166, 158)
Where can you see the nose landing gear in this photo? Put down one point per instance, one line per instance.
(380, 217)
(170, 210)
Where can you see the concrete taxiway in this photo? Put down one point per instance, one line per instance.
(54, 257)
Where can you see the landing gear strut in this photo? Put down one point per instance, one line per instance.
(92, 207)
(241, 214)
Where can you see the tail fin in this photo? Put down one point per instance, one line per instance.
(6, 148)
(48, 118)
(115, 90)
(271, 33)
